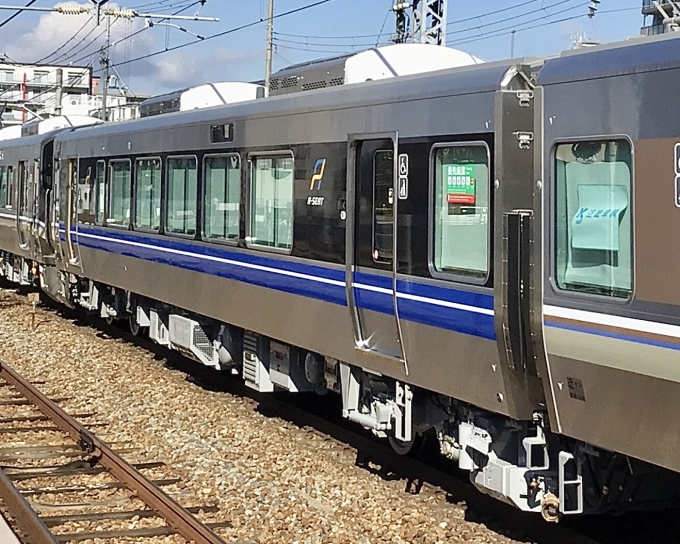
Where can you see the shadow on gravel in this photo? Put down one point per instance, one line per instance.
(419, 474)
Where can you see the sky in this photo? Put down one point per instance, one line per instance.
(303, 30)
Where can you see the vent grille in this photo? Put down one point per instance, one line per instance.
(288, 82)
(337, 81)
(314, 85)
(202, 343)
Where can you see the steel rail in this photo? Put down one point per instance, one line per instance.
(24, 516)
(176, 516)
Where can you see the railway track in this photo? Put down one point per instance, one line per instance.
(416, 475)
(81, 455)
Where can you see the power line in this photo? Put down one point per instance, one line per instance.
(224, 33)
(563, 20)
(28, 5)
(67, 42)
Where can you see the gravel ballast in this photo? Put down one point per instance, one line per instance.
(275, 482)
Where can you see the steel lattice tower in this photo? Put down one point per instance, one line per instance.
(429, 21)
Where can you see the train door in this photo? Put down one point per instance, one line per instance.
(371, 245)
(71, 212)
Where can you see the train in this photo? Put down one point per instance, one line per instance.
(483, 256)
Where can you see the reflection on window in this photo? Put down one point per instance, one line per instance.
(100, 191)
(181, 215)
(148, 193)
(272, 202)
(383, 206)
(119, 197)
(593, 227)
(222, 197)
(461, 210)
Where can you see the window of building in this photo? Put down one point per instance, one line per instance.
(271, 217)
(119, 193)
(74, 78)
(182, 196)
(6, 75)
(100, 192)
(461, 210)
(40, 76)
(593, 221)
(148, 193)
(222, 197)
(383, 206)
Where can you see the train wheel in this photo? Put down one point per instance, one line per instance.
(133, 324)
(413, 447)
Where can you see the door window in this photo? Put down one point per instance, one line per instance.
(383, 206)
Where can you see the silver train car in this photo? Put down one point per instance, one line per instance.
(474, 255)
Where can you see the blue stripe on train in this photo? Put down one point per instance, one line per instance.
(301, 279)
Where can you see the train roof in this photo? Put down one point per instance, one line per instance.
(450, 82)
(635, 55)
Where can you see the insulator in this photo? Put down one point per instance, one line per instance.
(72, 9)
(123, 13)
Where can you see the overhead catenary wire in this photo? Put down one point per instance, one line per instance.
(18, 12)
(223, 33)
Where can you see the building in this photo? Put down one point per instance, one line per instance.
(655, 16)
(29, 92)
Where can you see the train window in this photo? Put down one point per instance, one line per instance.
(3, 186)
(383, 206)
(461, 210)
(148, 193)
(119, 193)
(593, 225)
(100, 195)
(271, 208)
(222, 197)
(9, 195)
(182, 194)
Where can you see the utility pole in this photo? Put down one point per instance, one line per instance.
(270, 45)
(60, 88)
(512, 43)
(105, 62)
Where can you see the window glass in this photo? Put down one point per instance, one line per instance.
(383, 206)
(271, 219)
(148, 193)
(119, 195)
(10, 187)
(3, 186)
(222, 197)
(100, 191)
(181, 218)
(593, 227)
(461, 210)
